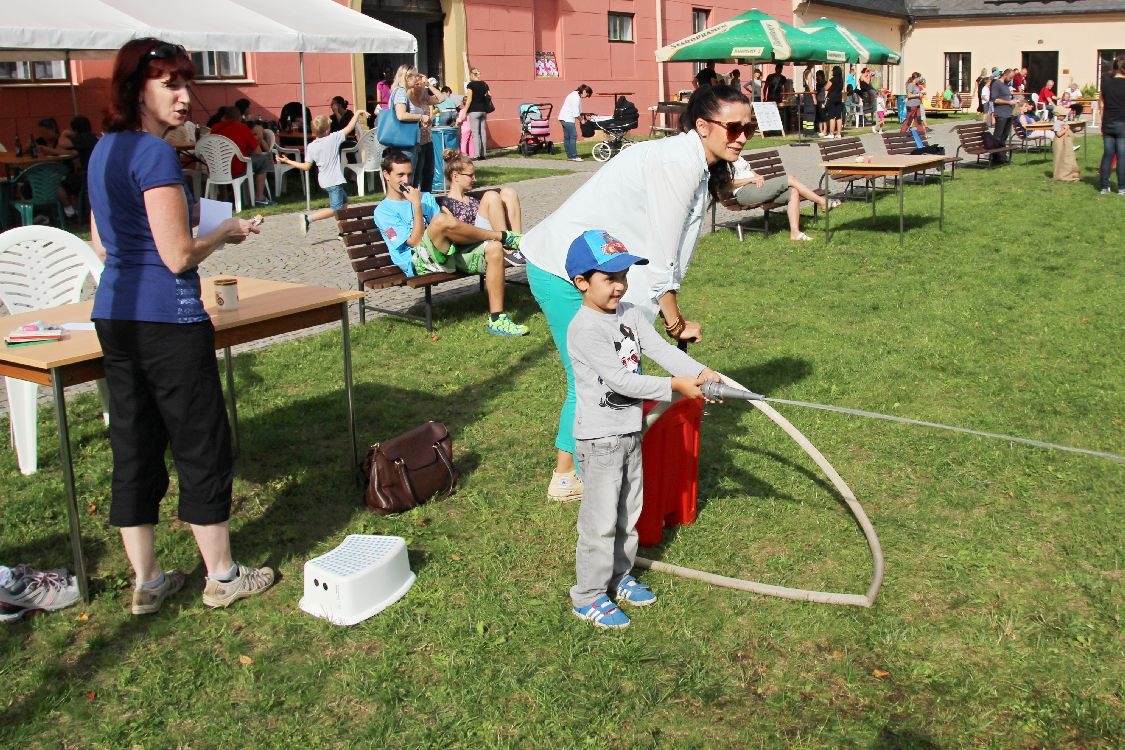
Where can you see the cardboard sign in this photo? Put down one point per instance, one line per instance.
(768, 117)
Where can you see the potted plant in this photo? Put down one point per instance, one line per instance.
(1089, 91)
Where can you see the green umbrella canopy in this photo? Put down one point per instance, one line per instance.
(833, 42)
(749, 37)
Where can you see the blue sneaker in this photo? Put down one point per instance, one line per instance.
(602, 614)
(634, 592)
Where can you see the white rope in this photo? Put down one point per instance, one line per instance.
(823, 597)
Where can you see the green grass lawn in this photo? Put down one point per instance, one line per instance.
(999, 624)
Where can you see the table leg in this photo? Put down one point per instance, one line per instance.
(232, 402)
(900, 223)
(827, 213)
(344, 329)
(68, 482)
(941, 181)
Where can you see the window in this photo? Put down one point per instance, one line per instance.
(1105, 64)
(38, 71)
(620, 27)
(699, 22)
(219, 65)
(958, 72)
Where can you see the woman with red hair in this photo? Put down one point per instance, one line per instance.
(157, 340)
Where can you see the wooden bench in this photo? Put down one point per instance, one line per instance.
(767, 164)
(971, 136)
(939, 105)
(847, 148)
(898, 144)
(374, 269)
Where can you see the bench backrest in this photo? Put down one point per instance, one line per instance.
(971, 135)
(766, 163)
(897, 143)
(368, 253)
(841, 149)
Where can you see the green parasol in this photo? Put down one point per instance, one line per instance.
(836, 43)
(749, 37)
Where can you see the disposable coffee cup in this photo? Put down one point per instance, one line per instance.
(226, 294)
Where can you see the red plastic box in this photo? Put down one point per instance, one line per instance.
(670, 450)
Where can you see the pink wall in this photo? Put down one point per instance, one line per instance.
(273, 80)
(504, 35)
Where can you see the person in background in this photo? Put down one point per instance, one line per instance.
(1047, 96)
(775, 85)
(653, 197)
(324, 152)
(1111, 102)
(80, 141)
(913, 103)
(243, 107)
(982, 83)
(570, 114)
(157, 340)
(706, 75)
(1000, 95)
(231, 126)
(422, 96)
(820, 119)
(341, 115)
(751, 189)
(1027, 117)
(383, 89)
(851, 79)
(605, 342)
(422, 238)
(834, 103)
(495, 209)
(447, 107)
(754, 87)
(1019, 79)
(734, 80)
(477, 99)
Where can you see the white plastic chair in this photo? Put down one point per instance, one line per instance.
(41, 267)
(370, 161)
(279, 170)
(217, 151)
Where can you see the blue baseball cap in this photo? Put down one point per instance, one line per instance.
(598, 250)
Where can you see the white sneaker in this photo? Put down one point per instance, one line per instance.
(565, 487)
(304, 221)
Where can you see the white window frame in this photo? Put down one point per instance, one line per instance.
(24, 72)
(622, 30)
(219, 65)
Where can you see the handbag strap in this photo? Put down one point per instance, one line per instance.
(449, 471)
(405, 475)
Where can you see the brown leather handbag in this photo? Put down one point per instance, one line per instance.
(408, 470)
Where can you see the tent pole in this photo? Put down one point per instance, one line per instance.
(304, 132)
(70, 75)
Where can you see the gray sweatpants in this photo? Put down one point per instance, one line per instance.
(607, 518)
(478, 127)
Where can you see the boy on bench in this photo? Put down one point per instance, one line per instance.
(423, 239)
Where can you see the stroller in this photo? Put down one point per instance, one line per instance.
(625, 118)
(535, 128)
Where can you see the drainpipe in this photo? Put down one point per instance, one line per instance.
(661, 94)
(902, 52)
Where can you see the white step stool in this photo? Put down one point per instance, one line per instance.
(360, 578)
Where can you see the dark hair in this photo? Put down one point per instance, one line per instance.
(243, 105)
(81, 124)
(1119, 64)
(583, 89)
(136, 62)
(394, 156)
(446, 90)
(341, 101)
(49, 123)
(705, 103)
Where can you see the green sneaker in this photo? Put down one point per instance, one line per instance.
(505, 326)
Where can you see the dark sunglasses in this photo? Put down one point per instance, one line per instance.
(734, 128)
(160, 52)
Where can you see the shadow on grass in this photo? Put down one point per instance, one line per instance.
(297, 452)
(766, 378)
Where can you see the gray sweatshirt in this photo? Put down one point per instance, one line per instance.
(605, 350)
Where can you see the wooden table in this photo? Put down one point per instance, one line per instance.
(887, 166)
(266, 308)
(15, 164)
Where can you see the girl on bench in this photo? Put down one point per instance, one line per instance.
(751, 189)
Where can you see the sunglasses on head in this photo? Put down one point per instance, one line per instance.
(164, 51)
(734, 129)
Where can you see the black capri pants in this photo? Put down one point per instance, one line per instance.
(164, 391)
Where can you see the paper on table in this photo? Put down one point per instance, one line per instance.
(212, 213)
(77, 326)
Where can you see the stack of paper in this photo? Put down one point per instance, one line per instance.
(34, 333)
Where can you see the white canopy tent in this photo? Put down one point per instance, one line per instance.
(73, 29)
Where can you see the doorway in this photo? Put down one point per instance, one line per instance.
(1041, 67)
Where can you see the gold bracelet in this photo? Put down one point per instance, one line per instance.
(675, 329)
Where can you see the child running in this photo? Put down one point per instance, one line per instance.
(605, 341)
(324, 151)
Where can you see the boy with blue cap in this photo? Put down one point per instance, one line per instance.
(605, 342)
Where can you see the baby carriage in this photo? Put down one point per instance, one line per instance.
(625, 117)
(535, 128)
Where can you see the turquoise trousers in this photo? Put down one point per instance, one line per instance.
(559, 299)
